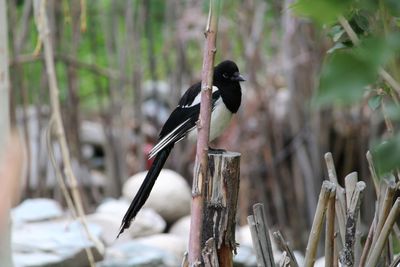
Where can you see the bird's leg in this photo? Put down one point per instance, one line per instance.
(216, 150)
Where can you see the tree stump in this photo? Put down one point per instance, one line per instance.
(220, 205)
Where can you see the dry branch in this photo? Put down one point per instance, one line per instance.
(283, 245)
(330, 231)
(380, 243)
(44, 33)
(347, 255)
(260, 236)
(340, 207)
(203, 128)
(311, 250)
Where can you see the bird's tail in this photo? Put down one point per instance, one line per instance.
(145, 188)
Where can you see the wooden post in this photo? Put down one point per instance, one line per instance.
(220, 205)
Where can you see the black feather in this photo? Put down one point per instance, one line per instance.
(144, 191)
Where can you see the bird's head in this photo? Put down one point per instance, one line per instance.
(227, 71)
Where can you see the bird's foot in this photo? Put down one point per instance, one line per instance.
(216, 150)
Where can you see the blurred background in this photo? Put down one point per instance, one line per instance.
(122, 66)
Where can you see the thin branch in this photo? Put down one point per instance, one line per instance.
(311, 250)
(380, 243)
(44, 34)
(196, 226)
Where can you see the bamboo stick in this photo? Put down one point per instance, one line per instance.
(380, 243)
(311, 251)
(330, 231)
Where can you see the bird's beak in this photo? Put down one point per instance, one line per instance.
(237, 77)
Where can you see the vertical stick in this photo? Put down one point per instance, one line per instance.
(311, 250)
(203, 135)
(380, 243)
(330, 231)
(260, 236)
(347, 255)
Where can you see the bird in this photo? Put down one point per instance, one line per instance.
(225, 101)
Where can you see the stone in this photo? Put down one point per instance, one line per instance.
(170, 196)
(34, 210)
(109, 214)
(51, 244)
(137, 254)
(166, 242)
(113, 206)
(181, 228)
(245, 257)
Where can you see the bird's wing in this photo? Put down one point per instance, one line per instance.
(181, 121)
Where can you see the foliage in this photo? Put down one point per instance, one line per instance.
(351, 72)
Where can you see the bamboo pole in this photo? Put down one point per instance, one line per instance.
(387, 227)
(203, 127)
(260, 236)
(312, 244)
(330, 231)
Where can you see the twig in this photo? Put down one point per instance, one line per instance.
(330, 231)
(261, 258)
(57, 170)
(380, 243)
(367, 244)
(340, 208)
(283, 245)
(200, 175)
(44, 32)
(372, 170)
(384, 209)
(311, 251)
(263, 233)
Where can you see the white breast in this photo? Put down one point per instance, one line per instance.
(220, 119)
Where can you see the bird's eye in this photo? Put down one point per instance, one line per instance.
(225, 75)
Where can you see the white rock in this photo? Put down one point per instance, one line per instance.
(109, 227)
(60, 243)
(170, 196)
(166, 242)
(136, 254)
(147, 222)
(181, 228)
(34, 210)
(113, 206)
(109, 216)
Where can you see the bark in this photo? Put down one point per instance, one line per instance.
(196, 224)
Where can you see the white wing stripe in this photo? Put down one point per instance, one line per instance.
(165, 140)
(197, 99)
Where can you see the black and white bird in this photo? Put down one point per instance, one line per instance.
(226, 99)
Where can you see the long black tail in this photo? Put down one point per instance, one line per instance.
(145, 188)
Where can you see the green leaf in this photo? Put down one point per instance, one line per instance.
(374, 102)
(322, 11)
(347, 73)
(386, 155)
(344, 78)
